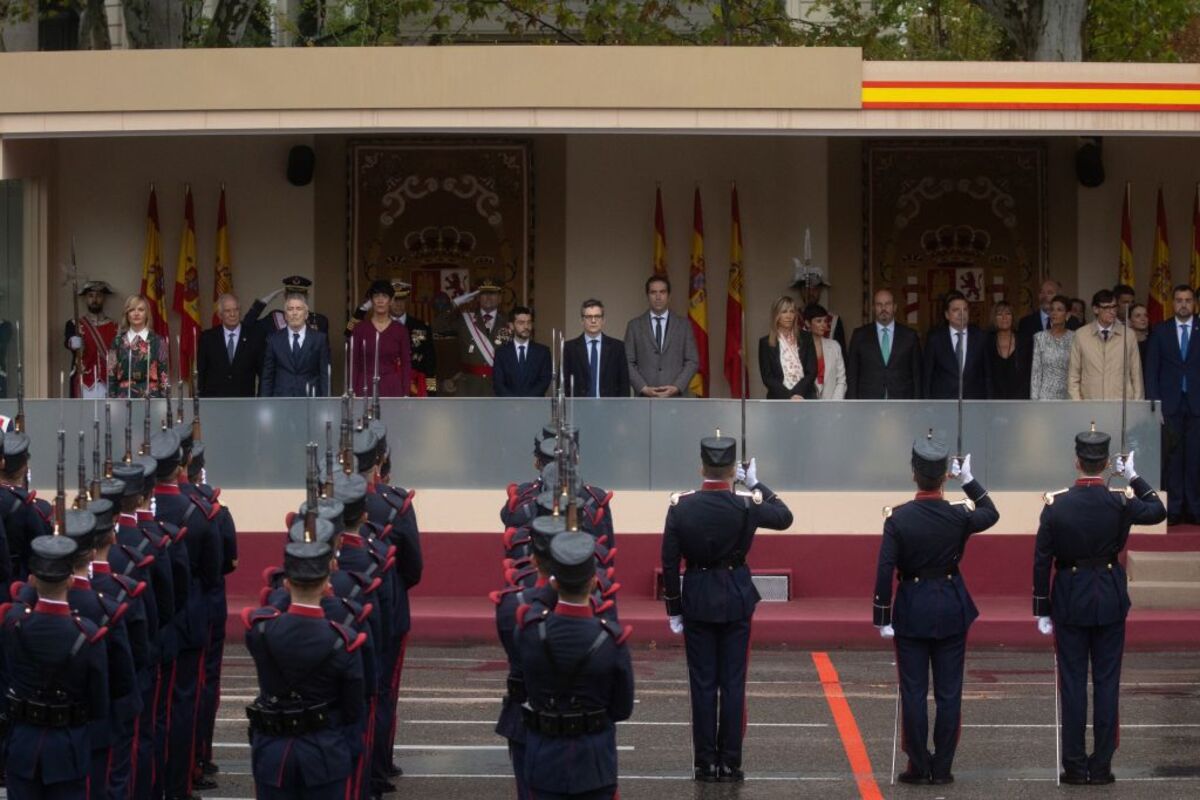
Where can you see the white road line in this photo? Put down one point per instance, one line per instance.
(416, 747)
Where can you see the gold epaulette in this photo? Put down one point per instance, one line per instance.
(1127, 491)
(1049, 496)
(966, 503)
(887, 512)
(675, 496)
(755, 495)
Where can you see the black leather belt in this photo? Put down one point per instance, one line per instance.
(725, 563)
(289, 721)
(552, 723)
(47, 715)
(1107, 562)
(930, 573)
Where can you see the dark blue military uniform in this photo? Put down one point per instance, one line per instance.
(1082, 531)
(713, 529)
(923, 542)
(56, 679)
(578, 680)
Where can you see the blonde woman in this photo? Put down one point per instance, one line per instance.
(830, 380)
(138, 356)
(787, 359)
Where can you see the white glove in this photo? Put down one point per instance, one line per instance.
(961, 469)
(1124, 466)
(463, 299)
(366, 306)
(1045, 626)
(887, 631)
(748, 475)
(75, 343)
(267, 298)
(676, 623)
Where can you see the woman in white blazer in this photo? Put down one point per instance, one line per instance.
(831, 366)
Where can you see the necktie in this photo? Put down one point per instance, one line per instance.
(487, 320)
(959, 350)
(658, 332)
(886, 346)
(521, 355)
(295, 344)
(1184, 337)
(1104, 335)
(230, 348)
(594, 369)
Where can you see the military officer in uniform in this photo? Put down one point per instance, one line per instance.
(310, 678)
(713, 529)
(276, 321)
(923, 542)
(57, 675)
(479, 333)
(1082, 532)
(579, 681)
(22, 521)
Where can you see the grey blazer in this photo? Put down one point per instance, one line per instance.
(674, 365)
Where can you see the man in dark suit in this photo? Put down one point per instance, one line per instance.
(296, 360)
(951, 345)
(522, 367)
(884, 362)
(1036, 321)
(229, 355)
(1173, 376)
(595, 362)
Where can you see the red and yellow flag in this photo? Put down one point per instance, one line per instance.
(660, 236)
(1160, 269)
(223, 275)
(1125, 257)
(734, 369)
(1194, 276)
(153, 288)
(698, 300)
(187, 288)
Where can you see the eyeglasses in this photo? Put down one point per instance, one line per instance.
(593, 317)
(1108, 307)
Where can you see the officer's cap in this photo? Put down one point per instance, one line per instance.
(349, 489)
(929, 454)
(377, 427)
(80, 526)
(164, 448)
(297, 284)
(542, 532)
(149, 468)
(1092, 445)
(487, 284)
(102, 509)
(323, 532)
(366, 449)
(718, 451)
(327, 509)
(400, 289)
(307, 561)
(131, 476)
(50, 557)
(95, 286)
(114, 488)
(573, 553)
(16, 446)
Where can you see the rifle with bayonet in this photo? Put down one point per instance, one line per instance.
(97, 476)
(346, 445)
(375, 408)
(82, 496)
(60, 495)
(19, 419)
(144, 450)
(108, 461)
(76, 355)
(311, 498)
(195, 394)
(327, 488)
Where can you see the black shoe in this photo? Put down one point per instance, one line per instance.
(1101, 779)
(393, 770)
(203, 783)
(910, 775)
(730, 774)
(707, 774)
(209, 768)
(942, 780)
(382, 787)
(1073, 778)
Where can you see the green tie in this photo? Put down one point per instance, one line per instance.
(886, 346)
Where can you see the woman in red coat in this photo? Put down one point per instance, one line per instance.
(394, 350)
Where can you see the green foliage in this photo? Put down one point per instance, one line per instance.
(1139, 30)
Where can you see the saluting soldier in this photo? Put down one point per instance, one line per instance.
(713, 529)
(276, 320)
(310, 679)
(923, 542)
(579, 681)
(479, 333)
(57, 672)
(1082, 532)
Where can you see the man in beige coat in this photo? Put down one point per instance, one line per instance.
(1094, 371)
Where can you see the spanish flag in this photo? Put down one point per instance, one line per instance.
(152, 270)
(223, 276)
(698, 300)
(1160, 269)
(1194, 277)
(1125, 257)
(734, 369)
(660, 235)
(187, 288)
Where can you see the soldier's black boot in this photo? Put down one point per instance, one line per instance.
(728, 774)
(1073, 778)
(707, 773)
(913, 775)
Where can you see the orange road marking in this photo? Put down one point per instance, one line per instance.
(843, 717)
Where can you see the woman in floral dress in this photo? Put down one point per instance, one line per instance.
(138, 356)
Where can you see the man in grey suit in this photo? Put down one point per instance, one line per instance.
(660, 347)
